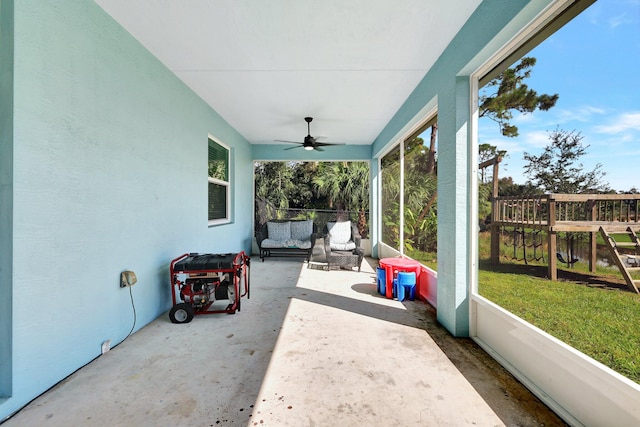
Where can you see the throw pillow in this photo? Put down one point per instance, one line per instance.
(301, 230)
(340, 231)
(279, 230)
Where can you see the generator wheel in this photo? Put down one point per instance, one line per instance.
(181, 313)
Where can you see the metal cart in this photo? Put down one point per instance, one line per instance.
(199, 281)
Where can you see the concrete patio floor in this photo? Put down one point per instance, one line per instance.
(310, 348)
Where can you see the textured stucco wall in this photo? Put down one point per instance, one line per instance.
(110, 174)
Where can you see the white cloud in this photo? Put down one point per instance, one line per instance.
(528, 140)
(520, 118)
(604, 144)
(623, 124)
(598, 13)
(534, 139)
(623, 18)
(584, 113)
(508, 144)
(593, 14)
(615, 21)
(627, 137)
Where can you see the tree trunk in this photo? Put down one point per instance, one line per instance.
(362, 224)
(424, 212)
(431, 162)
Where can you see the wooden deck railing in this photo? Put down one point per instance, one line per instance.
(564, 212)
(545, 211)
(532, 211)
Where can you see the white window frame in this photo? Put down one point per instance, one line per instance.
(217, 181)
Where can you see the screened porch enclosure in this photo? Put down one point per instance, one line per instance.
(108, 109)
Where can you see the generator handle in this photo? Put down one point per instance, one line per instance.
(242, 259)
(172, 277)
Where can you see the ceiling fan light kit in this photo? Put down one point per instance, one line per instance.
(310, 142)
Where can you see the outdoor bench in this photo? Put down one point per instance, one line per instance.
(287, 238)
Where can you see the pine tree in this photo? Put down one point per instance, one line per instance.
(559, 170)
(511, 94)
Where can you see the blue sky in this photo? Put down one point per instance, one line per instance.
(593, 63)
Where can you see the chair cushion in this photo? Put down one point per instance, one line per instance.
(340, 232)
(349, 246)
(279, 230)
(301, 230)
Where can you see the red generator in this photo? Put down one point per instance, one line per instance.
(200, 281)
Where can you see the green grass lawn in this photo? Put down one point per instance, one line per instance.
(593, 312)
(602, 323)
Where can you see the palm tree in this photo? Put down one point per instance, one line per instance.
(274, 183)
(420, 190)
(346, 187)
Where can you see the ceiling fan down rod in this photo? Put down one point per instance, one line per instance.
(308, 120)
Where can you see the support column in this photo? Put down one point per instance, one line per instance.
(593, 251)
(552, 238)
(374, 206)
(495, 244)
(495, 229)
(593, 245)
(455, 207)
(551, 254)
(6, 197)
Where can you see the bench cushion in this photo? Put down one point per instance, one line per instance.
(301, 230)
(300, 244)
(272, 244)
(283, 244)
(279, 231)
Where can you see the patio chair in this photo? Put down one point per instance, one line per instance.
(342, 245)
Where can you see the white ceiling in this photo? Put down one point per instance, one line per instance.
(265, 65)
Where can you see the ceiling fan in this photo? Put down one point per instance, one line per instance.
(310, 142)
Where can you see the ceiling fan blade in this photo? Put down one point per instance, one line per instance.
(310, 143)
(290, 142)
(324, 144)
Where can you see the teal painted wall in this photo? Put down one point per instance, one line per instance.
(492, 24)
(109, 174)
(269, 152)
(6, 194)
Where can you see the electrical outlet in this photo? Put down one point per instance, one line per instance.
(106, 346)
(127, 278)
